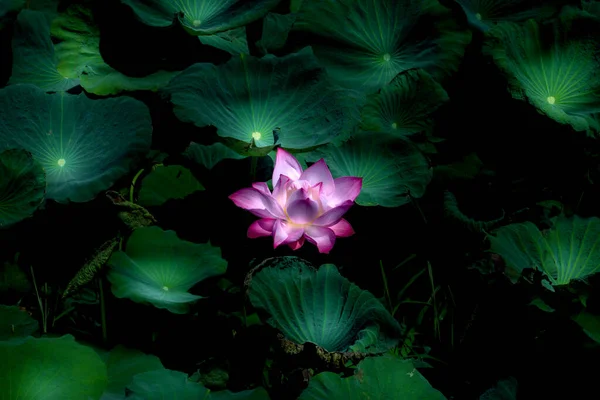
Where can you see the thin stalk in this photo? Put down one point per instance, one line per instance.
(103, 311)
(385, 287)
(37, 293)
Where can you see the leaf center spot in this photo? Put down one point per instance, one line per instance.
(61, 162)
(196, 22)
(551, 99)
(256, 135)
(386, 57)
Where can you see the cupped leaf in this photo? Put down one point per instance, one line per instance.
(589, 323)
(166, 183)
(201, 17)
(50, 368)
(404, 106)
(248, 98)
(34, 60)
(122, 365)
(159, 268)
(16, 323)
(384, 377)
(552, 66)
(389, 174)
(568, 251)
(364, 44)
(165, 384)
(84, 145)
(484, 14)
(322, 307)
(78, 55)
(22, 185)
(209, 156)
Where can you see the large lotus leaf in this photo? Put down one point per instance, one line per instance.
(254, 394)
(50, 368)
(233, 41)
(389, 174)
(248, 98)
(22, 186)
(570, 250)
(404, 106)
(201, 17)
(165, 384)
(122, 365)
(159, 268)
(484, 14)
(322, 307)
(33, 53)
(166, 183)
(209, 156)
(78, 55)
(384, 377)
(553, 66)
(364, 44)
(276, 28)
(84, 145)
(16, 323)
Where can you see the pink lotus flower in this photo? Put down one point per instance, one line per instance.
(304, 205)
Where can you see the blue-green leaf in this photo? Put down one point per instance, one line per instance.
(84, 145)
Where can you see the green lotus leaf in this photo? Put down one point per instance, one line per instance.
(22, 186)
(13, 278)
(322, 307)
(201, 17)
(209, 156)
(552, 66)
(568, 251)
(254, 394)
(166, 183)
(276, 28)
(8, 6)
(384, 377)
(78, 55)
(589, 323)
(389, 173)
(84, 145)
(404, 106)
(16, 323)
(589, 6)
(165, 384)
(484, 14)
(364, 44)
(232, 41)
(505, 389)
(159, 268)
(33, 53)
(50, 368)
(248, 98)
(122, 365)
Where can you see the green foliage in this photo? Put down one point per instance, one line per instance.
(290, 94)
(83, 145)
(364, 44)
(166, 183)
(552, 66)
(321, 307)
(376, 377)
(16, 323)
(22, 186)
(157, 267)
(391, 172)
(34, 369)
(568, 251)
